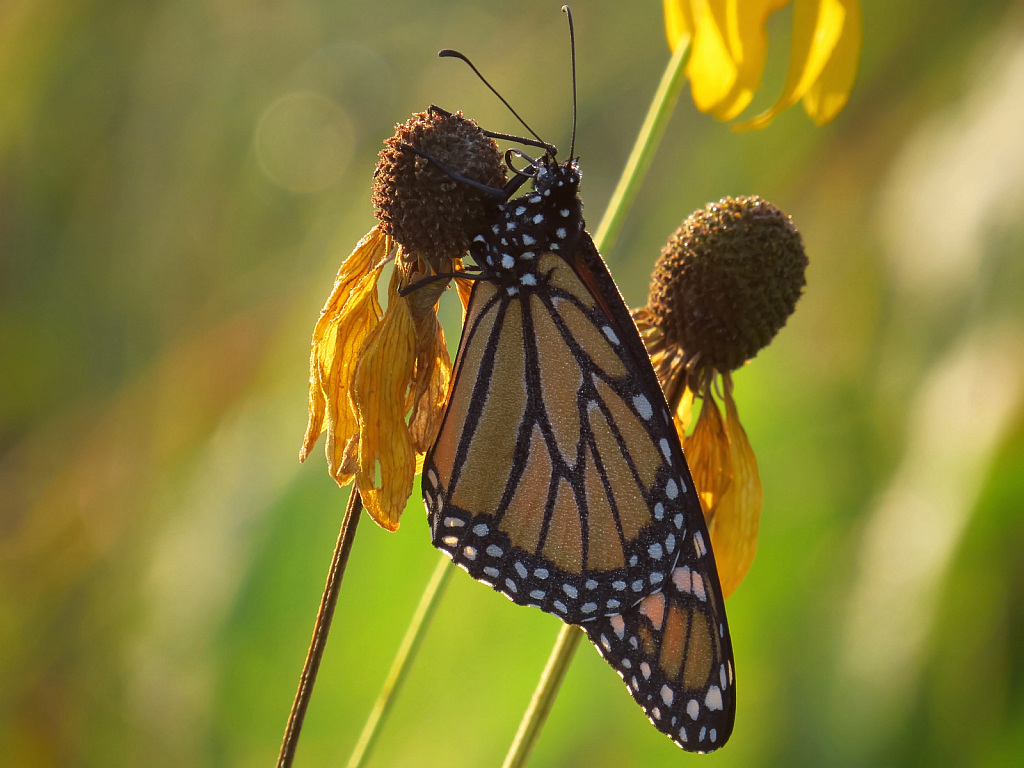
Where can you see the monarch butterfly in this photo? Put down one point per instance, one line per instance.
(557, 476)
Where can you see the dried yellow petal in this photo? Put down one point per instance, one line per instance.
(350, 313)
(707, 453)
(735, 524)
(386, 459)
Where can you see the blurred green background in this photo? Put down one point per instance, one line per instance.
(179, 181)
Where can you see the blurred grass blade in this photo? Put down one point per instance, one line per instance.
(403, 661)
(321, 629)
(544, 697)
(646, 145)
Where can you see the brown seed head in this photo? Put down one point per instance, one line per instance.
(431, 215)
(727, 281)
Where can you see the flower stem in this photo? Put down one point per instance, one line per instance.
(544, 697)
(321, 628)
(403, 661)
(646, 145)
(633, 174)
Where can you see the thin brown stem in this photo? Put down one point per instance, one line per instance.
(320, 629)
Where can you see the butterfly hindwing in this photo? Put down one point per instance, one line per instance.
(674, 653)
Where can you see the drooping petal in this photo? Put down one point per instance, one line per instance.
(678, 22)
(730, 46)
(711, 69)
(818, 26)
(735, 524)
(684, 413)
(350, 313)
(748, 45)
(707, 453)
(429, 388)
(386, 460)
(828, 95)
(465, 288)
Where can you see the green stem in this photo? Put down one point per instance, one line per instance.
(403, 661)
(639, 161)
(646, 145)
(544, 697)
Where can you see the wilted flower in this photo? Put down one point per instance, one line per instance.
(724, 285)
(378, 379)
(730, 45)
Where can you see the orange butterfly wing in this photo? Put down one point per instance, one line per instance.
(553, 477)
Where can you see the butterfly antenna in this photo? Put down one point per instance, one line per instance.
(572, 47)
(447, 53)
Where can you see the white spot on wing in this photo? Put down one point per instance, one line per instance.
(610, 334)
(643, 406)
(713, 700)
(698, 587)
(681, 578)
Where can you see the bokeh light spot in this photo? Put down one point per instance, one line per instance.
(304, 142)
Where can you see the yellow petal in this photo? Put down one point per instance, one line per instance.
(430, 386)
(386, 461)
(707, 453)
(747, 39)
(684, 413)
(710, 69)
(734, 527)
(465, 288)
(830, 92)
(818, 26)
(350, 313)
(678, 22)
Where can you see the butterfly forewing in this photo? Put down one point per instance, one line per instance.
(553, 477)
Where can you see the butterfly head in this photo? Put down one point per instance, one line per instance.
(557, 181)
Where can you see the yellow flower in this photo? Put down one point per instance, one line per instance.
(729, 47)
(378, 379)
(725, 284)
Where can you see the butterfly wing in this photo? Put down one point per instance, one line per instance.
(556, 476)
(674, 653)
(672, 649)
